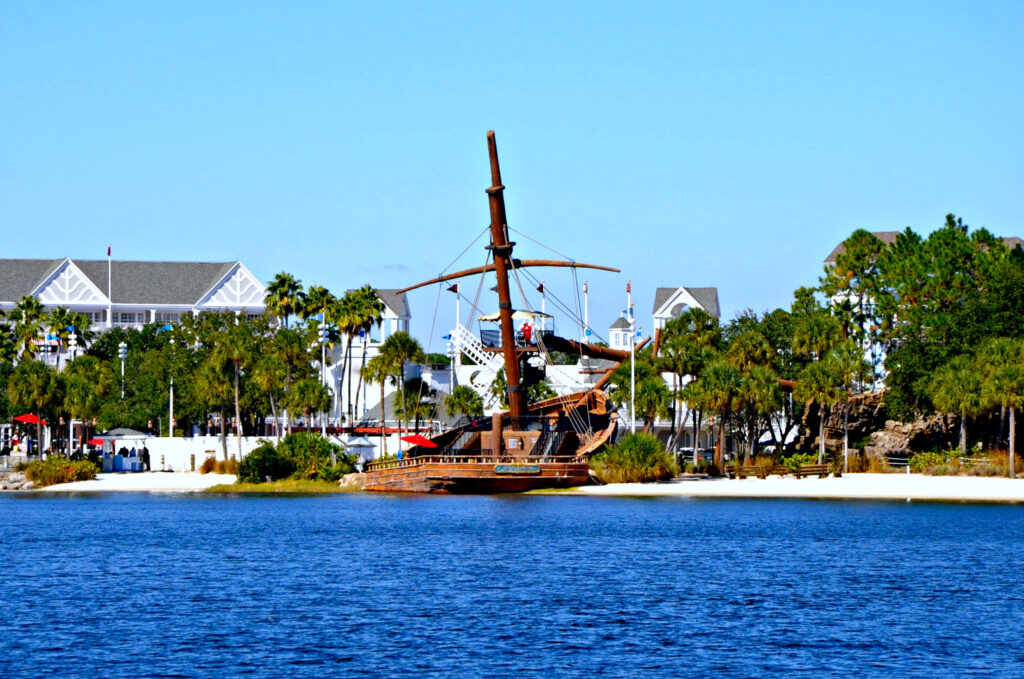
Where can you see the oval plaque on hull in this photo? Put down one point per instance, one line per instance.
(516, 469)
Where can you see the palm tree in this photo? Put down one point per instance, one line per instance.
(269, 375)
(815, 333)
(318, 299)
(1002, 366)
(694, 396)
(849, 363)
(720, 382)
(759, 396)
(27, 318)
(368, 312)
(652, 400)
(289, 346)
(399, 349)
(956, 389)
(750, 348)
(89, 382)
(465, 401)
(35, 386)
(212, 387)
(310, 395)
(284, 296)
(378, 370)
(993, 354)
(234, 345)
(820, 383)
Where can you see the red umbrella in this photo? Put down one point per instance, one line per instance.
(29, 418)
(418, 440)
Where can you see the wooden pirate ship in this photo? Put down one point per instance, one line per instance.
(546, 444)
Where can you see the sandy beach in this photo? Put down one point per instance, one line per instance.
(168, 482)
(849, 487)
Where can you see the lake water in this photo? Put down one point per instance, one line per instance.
(135, 585)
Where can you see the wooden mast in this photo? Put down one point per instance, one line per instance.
(501, 249)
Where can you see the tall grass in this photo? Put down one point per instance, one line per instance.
(55, 470)
(636, 458)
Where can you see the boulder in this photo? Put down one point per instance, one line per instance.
(353, 481)
(28, 485)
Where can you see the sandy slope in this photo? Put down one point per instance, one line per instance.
(850, 486)
(146, 481)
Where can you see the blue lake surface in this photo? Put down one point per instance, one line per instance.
(136, 585)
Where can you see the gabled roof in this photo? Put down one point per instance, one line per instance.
(131, 282)
(19, 277)
(707, 298)
(619, 324)
(397, 302)
(889, 237)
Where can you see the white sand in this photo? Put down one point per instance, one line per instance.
(849, 486)
(146, 481)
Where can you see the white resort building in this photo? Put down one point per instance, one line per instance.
(131, 294)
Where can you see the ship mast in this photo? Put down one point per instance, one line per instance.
(501, 249)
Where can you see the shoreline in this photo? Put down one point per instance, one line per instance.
(887, 487)
(143, 482)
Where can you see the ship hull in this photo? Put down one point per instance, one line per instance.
(475, 476)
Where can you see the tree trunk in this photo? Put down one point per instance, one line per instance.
(846, 439)
(359, 384)
(720, 443)
(223, 434)
(963, 436)
(1013, 443)
(383, 421)
(238, 417)
(348, 382)
(273, 411)
(696, 439)
(821, 434)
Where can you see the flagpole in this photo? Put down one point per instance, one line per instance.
(110, 301)
(632, 360)
(586, 312)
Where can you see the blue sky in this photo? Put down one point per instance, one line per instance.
(705, 144)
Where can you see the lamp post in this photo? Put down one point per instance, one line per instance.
(171, 414)
(632, 360)
(122, 352)
(73, 343)
(323, 368)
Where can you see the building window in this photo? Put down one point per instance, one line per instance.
(130, 317)
(167, 316)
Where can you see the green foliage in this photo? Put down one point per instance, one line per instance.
(636, 458)
(922, 461)
(464, 401)
(313, 457)
(794, 461)
(262, 463)
(54, 470)
(435, 358)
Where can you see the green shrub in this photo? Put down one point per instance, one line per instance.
(311, 455)
(54, 470)
(794, 461)
(636, 458)
(919, 462)
(264, 462)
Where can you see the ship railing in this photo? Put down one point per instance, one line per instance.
(482, 458)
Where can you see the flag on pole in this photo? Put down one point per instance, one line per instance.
(627, 287)
(446, 337)
(540, 288)
(108, 249)
(454, 288)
